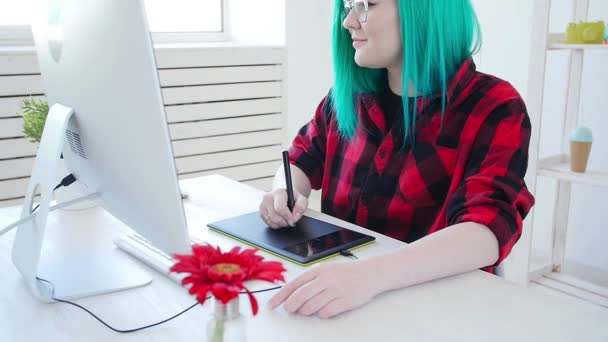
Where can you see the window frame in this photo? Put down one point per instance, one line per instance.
(21, 35)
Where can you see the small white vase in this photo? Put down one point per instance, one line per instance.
(226, 324)
(75, 190)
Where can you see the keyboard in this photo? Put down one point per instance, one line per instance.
(138, 247)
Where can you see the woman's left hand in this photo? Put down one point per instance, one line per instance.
(328, 289)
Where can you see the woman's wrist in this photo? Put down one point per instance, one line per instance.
(383, 273)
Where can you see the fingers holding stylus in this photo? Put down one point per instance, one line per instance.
(267, 209)
(275, 212)
(300, 206)
(281, 208)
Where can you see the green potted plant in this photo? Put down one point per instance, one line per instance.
(34, 114)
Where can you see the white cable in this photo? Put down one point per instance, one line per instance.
(52, 208)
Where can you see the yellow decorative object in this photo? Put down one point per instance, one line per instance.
(586, 33)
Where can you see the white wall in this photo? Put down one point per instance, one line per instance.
(309, 70)
(256, 22)
(505, 33)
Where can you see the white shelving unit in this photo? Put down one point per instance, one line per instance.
(555, 270)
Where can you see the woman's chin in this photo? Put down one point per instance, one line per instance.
(361, 59)
(365, 62)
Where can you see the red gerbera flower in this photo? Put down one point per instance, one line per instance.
(223, 274)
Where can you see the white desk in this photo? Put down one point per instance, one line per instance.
(471, 307)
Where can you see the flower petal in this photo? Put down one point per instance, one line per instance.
(253, 301)
(201, 295)
(224, 293)
(270, 271)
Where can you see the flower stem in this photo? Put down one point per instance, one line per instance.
(218, 331)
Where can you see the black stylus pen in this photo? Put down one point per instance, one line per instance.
(288, 182)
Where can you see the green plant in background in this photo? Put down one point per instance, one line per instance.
(34, 114)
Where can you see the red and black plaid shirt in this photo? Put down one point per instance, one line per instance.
(470, 169)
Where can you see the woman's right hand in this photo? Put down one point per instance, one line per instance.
(274, 210)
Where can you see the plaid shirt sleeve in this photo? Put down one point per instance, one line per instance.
(493, 192)
(307, 151)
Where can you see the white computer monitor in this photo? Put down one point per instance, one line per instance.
(101, 80)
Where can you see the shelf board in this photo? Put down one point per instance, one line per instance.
(573, 291)
(556, 41)
(579, 280)
(559, 167)
(584, 277)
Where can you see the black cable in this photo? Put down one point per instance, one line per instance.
(65, 182)
(348, 254)
(140, 328)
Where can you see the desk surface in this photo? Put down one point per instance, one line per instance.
(472, 307)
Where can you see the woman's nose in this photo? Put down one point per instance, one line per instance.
(351, 21)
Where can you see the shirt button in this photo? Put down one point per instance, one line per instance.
(382, 154)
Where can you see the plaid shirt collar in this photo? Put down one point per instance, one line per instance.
(428, 106)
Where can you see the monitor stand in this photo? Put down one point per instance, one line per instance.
(71, 264)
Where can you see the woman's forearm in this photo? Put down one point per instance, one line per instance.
(299, 179)
(456, 249)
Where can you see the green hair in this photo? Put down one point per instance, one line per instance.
(437, 35)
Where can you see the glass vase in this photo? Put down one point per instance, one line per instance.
(226, 324)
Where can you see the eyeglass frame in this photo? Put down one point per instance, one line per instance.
(349, 5)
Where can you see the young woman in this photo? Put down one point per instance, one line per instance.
(411, 142)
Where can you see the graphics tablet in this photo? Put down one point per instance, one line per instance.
(310, 241)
